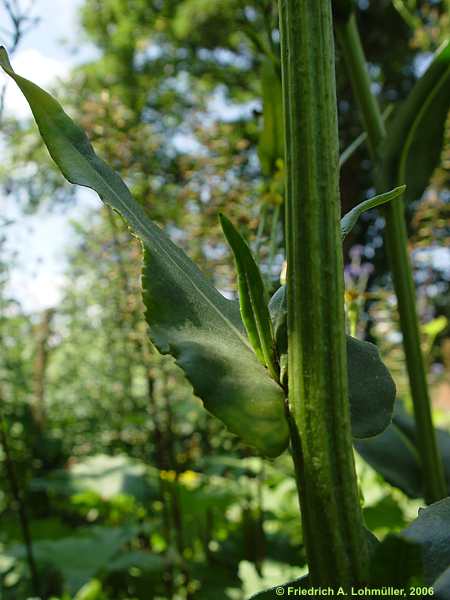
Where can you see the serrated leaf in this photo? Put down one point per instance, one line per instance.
(271, 140)
(415, 134)
(188, 317)
(370, 385)
(349, 220)
(252, 299)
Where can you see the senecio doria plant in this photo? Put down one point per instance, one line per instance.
(283, 372)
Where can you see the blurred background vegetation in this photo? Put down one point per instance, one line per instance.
(125, 487)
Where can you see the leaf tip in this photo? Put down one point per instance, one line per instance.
(4, 60)
(223, 220)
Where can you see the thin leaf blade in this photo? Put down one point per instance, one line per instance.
(416, 132)
(252, 298)
(349, 220)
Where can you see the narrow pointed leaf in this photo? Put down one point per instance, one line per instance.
(415, 134)
(252, 298)
(349, 220)
(188, 317)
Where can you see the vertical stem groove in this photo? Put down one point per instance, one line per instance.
(397, 251)
(318, 400)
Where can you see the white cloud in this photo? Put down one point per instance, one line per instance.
(38, 67)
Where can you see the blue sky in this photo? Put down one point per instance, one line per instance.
(46, 54)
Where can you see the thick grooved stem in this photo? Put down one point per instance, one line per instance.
(318, 400)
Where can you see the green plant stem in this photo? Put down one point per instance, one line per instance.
(318, 406)
(397, 251)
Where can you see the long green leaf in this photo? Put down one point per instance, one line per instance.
(252, 299)
(415, 134)
(348, 221)
(188, 317)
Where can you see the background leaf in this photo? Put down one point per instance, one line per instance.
(349, 220)
(416, 131)
(395, 456)
(431, 530)
(371, 389)
(397, 562)
(80, 557)
(406, 423)
(104, 475)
